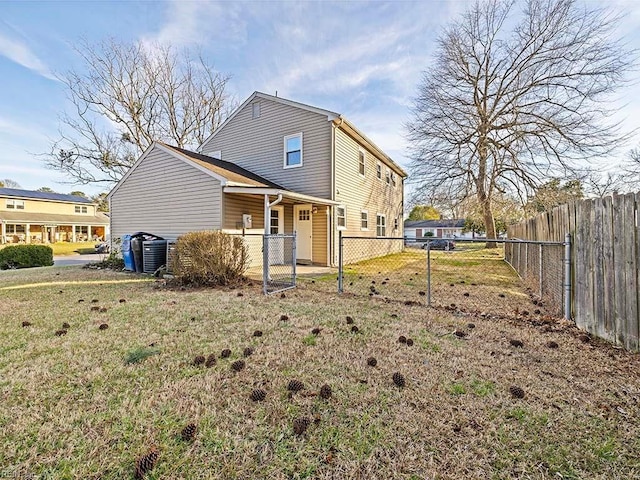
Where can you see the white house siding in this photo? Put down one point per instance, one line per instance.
(167, 197)
(258, 145)
(368, 193)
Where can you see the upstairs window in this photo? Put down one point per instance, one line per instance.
(255, 110)
(381, 225)
(80, 209)
(15, 204)
(341, 217)
(361, 162)
(388, 177)
(379, 171)
(293, 151)
(395, 223)
(393, 179)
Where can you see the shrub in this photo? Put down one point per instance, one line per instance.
(112, 262)
(209, 258)
(25, 256)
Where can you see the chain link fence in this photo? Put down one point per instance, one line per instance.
(460, 275)
(279, 262)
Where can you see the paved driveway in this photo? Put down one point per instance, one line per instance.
(64, 260)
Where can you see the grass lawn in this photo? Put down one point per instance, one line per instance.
(87, 404)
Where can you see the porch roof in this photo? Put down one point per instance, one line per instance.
(299, 197)
(52, 218)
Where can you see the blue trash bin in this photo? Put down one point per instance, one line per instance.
(127, 254)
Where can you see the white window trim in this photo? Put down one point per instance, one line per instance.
(255, 108)
(379, 170)
(364, 162)
(387, 176)
(339, 227)
(15, 205)
(393, 180)
(361, 227)
(284, 160)
(384, 217)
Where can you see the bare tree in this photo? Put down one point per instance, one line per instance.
(513, 100)
(8, 183)
(128, 96)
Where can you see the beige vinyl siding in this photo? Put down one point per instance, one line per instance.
(258, 145)
(167, 197)
(320, 236)
(47, 206)
(368, 193)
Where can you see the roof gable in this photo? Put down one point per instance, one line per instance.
(36, 195)
(329, 114)
(225, 172)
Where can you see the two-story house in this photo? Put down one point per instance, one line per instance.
(301, 168)
(28, 216)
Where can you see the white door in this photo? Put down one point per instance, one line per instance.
(276, 227)
(302, 226)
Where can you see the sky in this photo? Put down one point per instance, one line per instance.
(361, 59)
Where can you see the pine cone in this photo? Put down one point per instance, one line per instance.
(146, 463)
(325, 392)
(516, 391)
(295, 386)
(258, 395)
(237, 365)
(103, 326)
(402, 339)
(211, 361)
(315, 331)
(284, 318)
(189, 432)
(398, 379)
(355, 329)
(26, 324)
(248, 352)
(552, 344)
(226, 353)
(257, 333)
(409, 342)
(372, 362)
(198, 360)
(349, 320)
(66, 326)
(516, 343)
(60, 333)
(300, 425)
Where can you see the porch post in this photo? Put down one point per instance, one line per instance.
(73, 233)
(89, 237)
(3, 233)
(27, 232)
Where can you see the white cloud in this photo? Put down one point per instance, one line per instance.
(20, 53)
(191, 23)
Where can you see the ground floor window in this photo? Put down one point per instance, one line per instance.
(13, 229)
(381, 225)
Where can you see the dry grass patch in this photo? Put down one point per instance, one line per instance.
(75, 406)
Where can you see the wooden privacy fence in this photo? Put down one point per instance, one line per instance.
(604, 262)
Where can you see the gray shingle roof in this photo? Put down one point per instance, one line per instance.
(58, 197)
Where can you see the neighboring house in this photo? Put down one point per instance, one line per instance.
(417, 229)
(41, 217)
(310, 169)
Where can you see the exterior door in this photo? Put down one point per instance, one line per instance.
(276, 227)
(302, 225)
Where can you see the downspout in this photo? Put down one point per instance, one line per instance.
(267, 209)
(332, 237)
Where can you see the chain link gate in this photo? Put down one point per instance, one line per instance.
(278, 263)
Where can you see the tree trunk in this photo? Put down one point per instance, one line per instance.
(489, 223)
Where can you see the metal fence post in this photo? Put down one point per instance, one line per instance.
(340, 258)
(540, 253)
(265, 263)
(294, 254)
(567, 276)
(428, 274)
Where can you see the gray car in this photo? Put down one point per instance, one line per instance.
(439, 244)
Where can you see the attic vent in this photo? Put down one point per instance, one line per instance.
(255, 110)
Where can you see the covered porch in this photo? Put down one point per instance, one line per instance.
(26, 228)
(257, 210)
